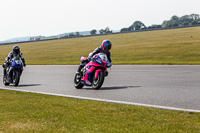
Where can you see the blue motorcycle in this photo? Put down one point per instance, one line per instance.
(13, 71)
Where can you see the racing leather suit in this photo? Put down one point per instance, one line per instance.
(97, 50)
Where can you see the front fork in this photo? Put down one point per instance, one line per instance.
(20, 72)
(97, 73)
(4, 72)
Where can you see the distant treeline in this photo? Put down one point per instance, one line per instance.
(174, 22)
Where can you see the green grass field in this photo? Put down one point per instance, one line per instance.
(175, 46)
(30, 112)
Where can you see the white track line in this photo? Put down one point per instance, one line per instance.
(110, 101)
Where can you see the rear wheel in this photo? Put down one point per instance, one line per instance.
(77, 81)
(97, 83)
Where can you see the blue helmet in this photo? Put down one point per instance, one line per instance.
(106, 44)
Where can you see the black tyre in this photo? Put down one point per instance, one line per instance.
(77, 81)
(97, 83)
(16, 78)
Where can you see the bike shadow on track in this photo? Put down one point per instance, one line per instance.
(113, 87)
(28, 85)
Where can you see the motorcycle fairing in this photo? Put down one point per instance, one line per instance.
(89, 69)
(100, 59)
(87, 83)
(17, 63)
(87, 74)
(97, 73)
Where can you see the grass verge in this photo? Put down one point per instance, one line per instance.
(30, 112)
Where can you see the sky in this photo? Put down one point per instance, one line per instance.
(20, 18)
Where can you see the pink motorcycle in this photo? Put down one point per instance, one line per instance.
(93, 73)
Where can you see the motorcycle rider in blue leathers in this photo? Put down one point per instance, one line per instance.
(104, 48)
(11, 55)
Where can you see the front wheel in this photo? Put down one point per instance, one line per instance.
(77, 81)
(97, 83)
(16, 78)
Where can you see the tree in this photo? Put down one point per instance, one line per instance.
(175, 24)
(101, 31)
(186, 24)
(137, 25)
(77, 34)
(124, 30)
(93, 32)
(194, 22)
(185, 19)
(195, 16)
(107, 30)
(154, 26)
(165, 24)
(174, 18)
(71, 34)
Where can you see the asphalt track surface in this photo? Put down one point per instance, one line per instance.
(175, 87)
